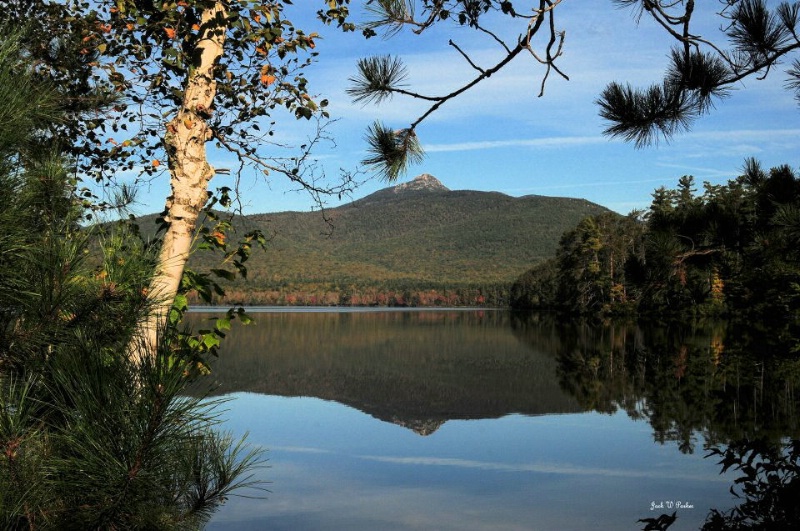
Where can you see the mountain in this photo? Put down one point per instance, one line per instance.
(416, 235)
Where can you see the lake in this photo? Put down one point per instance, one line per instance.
(482, 419)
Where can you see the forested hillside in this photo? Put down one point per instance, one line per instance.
(731, 249)
(417, 243)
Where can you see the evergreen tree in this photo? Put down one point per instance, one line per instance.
(89, 439)
(732, 249)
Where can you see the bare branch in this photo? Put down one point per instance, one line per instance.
(299, 169)
(466, 57)
(495, 37)
(555, 36)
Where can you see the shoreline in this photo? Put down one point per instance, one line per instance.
(343, 309)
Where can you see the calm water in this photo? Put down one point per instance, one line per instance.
(469, 419)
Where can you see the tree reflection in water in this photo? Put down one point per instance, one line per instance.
(731, 384)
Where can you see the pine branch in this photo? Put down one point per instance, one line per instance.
(695, 78)
(390, 15)
(643, 117)
(377, 79)
(392, 151)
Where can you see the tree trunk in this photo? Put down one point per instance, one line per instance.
(190, 173)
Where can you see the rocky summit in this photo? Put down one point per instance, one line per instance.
(425, 182)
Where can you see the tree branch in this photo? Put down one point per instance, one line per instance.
(466, 57)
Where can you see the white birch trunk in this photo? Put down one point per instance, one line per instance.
(190, 174)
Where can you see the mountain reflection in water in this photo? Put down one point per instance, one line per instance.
(644, 405)
(414, 369)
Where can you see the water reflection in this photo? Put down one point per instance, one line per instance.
(729, 387)
(705, 380)
(625, 387)
(414, 369)
(420, 369)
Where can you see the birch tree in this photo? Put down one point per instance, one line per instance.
(194, 74)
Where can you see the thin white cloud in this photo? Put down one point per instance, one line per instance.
(736, 143)
(299, 449)
(542, 468)
(582, 184)
(747, 135)
(705, 172)
(548, 142)
(752, 135)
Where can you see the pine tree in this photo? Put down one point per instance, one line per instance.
(89, 439)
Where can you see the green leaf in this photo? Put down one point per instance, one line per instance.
(243, 317)
(224, 273)
(181, 302)
(211, 340)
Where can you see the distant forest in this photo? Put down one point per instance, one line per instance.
(731, 249)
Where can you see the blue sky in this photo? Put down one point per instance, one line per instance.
(502, 137)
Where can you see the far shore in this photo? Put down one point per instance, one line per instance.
(343, 309)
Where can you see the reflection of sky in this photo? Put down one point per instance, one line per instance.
(333, 467)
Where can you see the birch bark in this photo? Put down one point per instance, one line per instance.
(190, 173)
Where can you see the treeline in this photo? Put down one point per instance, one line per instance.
(731, 249)
(388, 294)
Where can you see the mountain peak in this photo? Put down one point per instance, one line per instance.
(424, 182)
